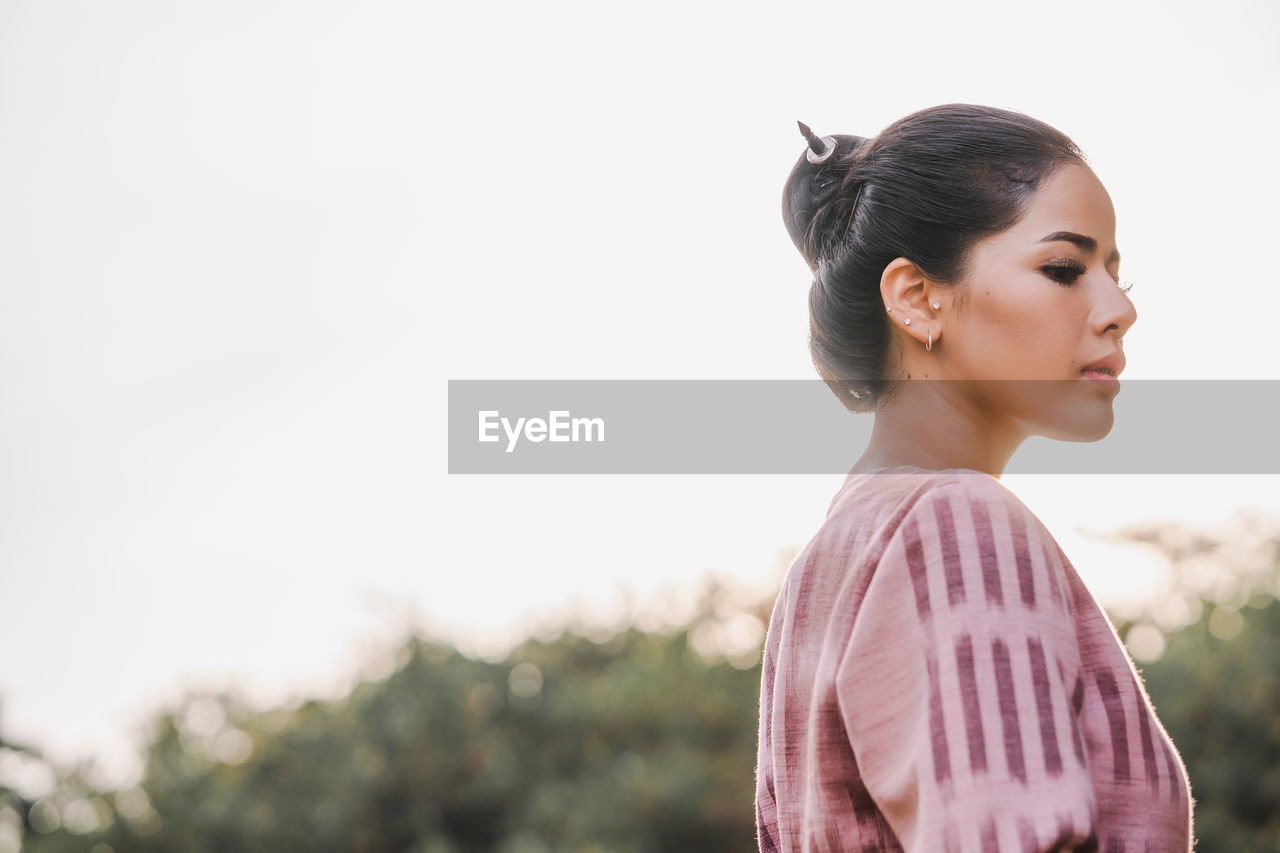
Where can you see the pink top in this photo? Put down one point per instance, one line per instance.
(937, 678)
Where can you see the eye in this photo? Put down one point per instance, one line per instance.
(1064, 272)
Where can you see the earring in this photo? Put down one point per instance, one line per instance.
(907, 321)
(929, 345)
(937, 305)
(887, 308)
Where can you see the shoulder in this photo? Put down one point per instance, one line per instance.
(900, 498)
(970, 540)
(969, 500)
(973, 486)
(970, 528)
(879, 508)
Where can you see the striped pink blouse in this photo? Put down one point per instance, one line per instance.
(937, 678)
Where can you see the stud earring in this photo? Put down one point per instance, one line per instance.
(937, 305)
(887, 308)
(907, 321)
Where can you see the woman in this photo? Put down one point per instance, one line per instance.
(936, 677)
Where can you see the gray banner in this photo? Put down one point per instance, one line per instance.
(798, 427)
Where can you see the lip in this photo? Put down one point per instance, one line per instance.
(1113, 364)
(1104, 379)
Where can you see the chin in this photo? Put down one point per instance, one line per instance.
(1082, 426)
(1072, 411)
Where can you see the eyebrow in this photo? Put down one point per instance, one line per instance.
(1088, 244)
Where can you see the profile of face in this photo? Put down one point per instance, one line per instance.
(1041, 303)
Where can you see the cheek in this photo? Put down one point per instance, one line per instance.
(1022, 338)
(997, 327)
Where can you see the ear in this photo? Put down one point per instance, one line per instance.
(905, 290)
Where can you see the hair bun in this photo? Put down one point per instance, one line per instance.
(814, 181)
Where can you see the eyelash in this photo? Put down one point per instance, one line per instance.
(1076, 270)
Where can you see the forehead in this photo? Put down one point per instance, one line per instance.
(1070, 199)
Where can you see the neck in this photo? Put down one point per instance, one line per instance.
(938, 424)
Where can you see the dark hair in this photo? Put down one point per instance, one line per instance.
(927, 188)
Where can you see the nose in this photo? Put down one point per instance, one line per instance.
(1113, 312)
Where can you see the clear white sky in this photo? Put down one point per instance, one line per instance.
(243, 245)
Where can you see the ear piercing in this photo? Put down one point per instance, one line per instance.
(907, 322)
(935, 305)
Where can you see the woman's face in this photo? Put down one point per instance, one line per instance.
(1041, 302)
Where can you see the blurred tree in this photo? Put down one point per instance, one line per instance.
(638, 743)
(1220, 701)
(1216, 681)
(644, 741)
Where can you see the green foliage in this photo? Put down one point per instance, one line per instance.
(637, 743)
(1220, 702)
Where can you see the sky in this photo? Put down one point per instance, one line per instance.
(245, 245)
